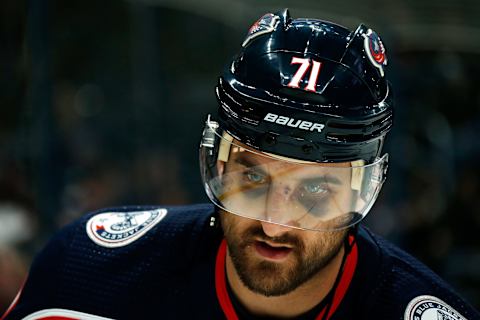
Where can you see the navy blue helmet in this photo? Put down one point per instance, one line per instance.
(304, 108)
(307, 89)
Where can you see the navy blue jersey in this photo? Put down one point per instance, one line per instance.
(168, 263)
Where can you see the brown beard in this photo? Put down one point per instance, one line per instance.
(275, 279)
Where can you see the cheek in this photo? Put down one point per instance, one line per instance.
(312, 239)
(323, 241)
(233, 224)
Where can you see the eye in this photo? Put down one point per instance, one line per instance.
(255, 177)
(315, 188)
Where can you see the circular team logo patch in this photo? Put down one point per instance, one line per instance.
(430, 308)
(375, 50)
(117, 229)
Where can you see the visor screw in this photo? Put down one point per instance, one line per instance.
(212, 222)
(269, 139)
(307, 148)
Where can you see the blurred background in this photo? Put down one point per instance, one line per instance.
(102, 104)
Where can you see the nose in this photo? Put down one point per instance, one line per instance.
(278, 208)
(274, 230)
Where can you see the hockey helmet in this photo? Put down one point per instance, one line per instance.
(303, 111)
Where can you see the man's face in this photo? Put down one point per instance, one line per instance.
(303, 195)
(274, 260)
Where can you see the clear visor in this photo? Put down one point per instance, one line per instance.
(289, 192)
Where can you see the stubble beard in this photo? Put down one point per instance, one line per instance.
(270, 278)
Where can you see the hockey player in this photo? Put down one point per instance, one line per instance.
(292, 162)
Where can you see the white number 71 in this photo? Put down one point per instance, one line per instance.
(304, 65)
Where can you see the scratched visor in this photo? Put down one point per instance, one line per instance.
(285, 191)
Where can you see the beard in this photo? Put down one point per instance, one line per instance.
(270, 278)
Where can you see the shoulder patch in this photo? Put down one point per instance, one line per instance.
(56, 314)
(118, 229)
(430, 308)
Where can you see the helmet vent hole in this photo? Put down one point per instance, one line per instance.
(307, 148)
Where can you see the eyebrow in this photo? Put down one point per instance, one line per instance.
(325, 178)
(245, 162)
(249, 164)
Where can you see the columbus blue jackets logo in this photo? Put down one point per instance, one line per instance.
(265, 24)
(63, 314)
(430, 308)
(375, 50)
(117, 229)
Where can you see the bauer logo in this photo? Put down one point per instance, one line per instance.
(117, 229)
(430, 308)
(294, 123)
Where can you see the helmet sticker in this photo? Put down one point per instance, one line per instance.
(430, 308)
(118, 229)
(375, 50)
(265, 24)
(304, 65)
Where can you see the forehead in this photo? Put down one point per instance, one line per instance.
(240, 150)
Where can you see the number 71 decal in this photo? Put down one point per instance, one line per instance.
(304, 66)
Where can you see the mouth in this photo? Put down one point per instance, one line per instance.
(272, 251)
